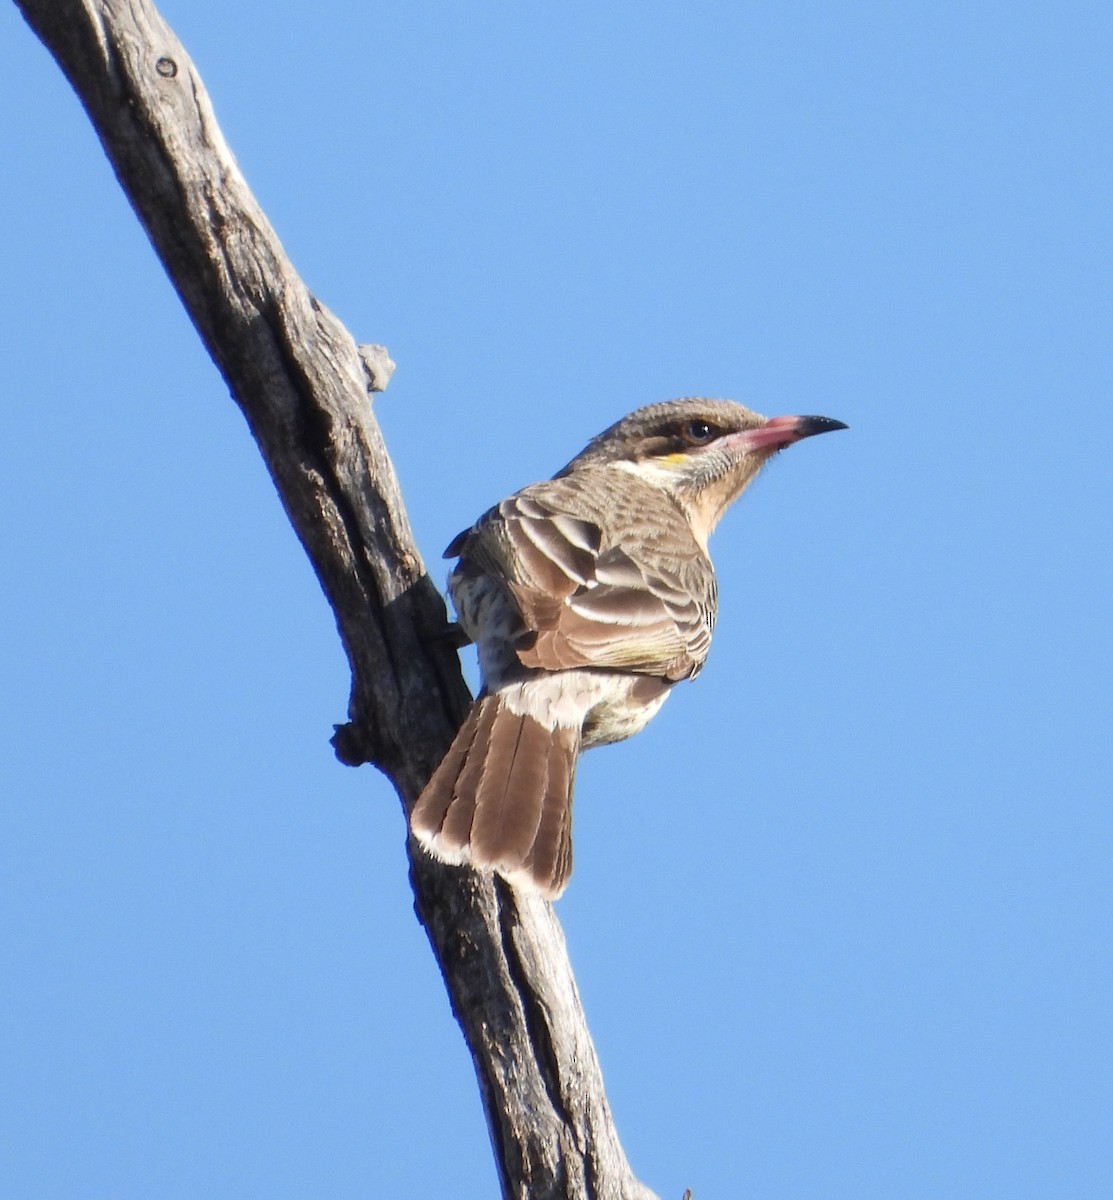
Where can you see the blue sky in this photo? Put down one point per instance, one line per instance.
(841, 915)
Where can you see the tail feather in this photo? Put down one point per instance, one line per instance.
(563, 870)
(550, 858)
(502, 798)
(508, 801)
(434, 815)
(458, 786)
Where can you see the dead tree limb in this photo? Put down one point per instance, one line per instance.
(303, 385)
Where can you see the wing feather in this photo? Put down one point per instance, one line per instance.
(628, 589)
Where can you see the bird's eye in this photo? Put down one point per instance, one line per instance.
(698, 432)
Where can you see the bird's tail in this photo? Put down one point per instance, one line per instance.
(502, 798)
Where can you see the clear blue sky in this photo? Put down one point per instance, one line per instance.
(841, 916)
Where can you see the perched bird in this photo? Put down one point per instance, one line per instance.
(588, 597)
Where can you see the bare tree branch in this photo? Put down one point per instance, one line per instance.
(304, 385)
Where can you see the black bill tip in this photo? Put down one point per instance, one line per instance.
(810, 426)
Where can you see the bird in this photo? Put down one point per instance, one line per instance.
(589, 596)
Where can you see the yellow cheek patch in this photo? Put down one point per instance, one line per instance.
(673, 460)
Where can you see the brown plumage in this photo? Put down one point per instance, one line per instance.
(588, 596)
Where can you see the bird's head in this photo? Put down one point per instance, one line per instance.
(704, 453)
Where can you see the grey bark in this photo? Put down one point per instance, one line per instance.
(303, 385)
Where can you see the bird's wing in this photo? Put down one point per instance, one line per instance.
(586, 603)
